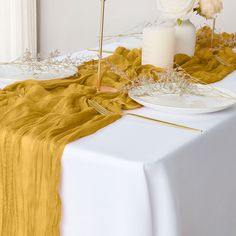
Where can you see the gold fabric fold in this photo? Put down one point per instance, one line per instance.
(38, 118)
(207, 65)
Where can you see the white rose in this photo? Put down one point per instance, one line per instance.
(210, 8)
(176, 9)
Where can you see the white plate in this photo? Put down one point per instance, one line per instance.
(14, 73)
(186, 104)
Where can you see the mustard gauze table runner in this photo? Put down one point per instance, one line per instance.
(38, 118)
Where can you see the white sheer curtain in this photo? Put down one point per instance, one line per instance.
(18, 28)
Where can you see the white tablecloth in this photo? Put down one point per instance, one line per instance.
(139, 178)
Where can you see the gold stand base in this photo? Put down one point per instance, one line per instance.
(106, 89)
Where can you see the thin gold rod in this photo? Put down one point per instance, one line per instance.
(165, 122)
(101, 44)
(213, 33)
(96, 50)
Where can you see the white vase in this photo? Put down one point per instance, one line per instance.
(186, 38)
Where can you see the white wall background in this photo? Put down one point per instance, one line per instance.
(18, 28)
(72, 25)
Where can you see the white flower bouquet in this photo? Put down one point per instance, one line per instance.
(182, 9)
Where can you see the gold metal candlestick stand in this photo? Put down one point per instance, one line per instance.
(99, 79)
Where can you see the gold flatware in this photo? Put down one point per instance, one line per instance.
(103, 111)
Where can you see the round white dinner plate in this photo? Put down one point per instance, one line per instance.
(217, 100)
(15, 73)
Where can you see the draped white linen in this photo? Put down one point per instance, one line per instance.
(18, 27)
(139, 178)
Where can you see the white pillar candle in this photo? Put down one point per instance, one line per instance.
(159, 46)
(186, 38)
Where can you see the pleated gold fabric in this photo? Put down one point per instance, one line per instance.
(38, 118)
(209, 66)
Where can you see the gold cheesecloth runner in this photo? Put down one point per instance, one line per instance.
(38, 118)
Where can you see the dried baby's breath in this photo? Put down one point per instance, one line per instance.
(53, 64)
(171, 81)
(116, 70)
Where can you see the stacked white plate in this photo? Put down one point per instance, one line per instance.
(214, 99)
(12, 73)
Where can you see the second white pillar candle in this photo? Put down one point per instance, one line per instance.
(159, 46)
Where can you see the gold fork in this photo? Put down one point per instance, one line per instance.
(103, 111)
